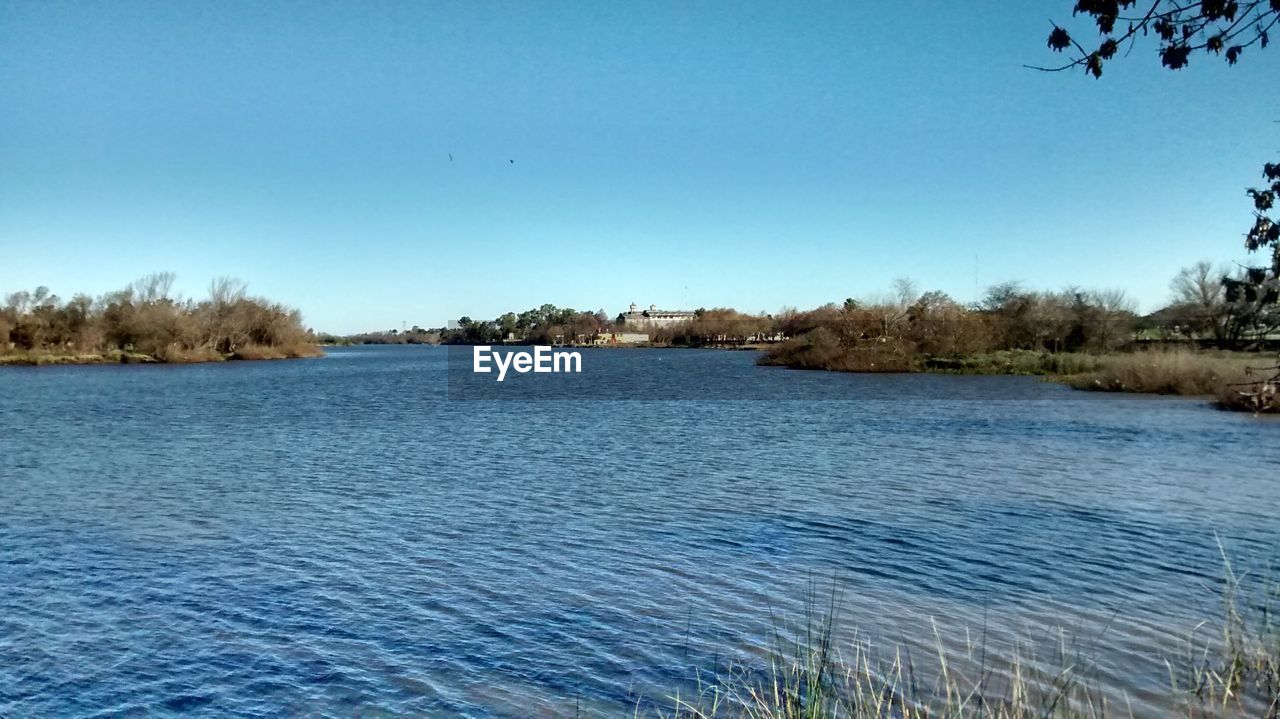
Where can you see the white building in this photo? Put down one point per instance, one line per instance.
(654, 317)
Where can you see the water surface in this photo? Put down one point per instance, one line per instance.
(334, 536)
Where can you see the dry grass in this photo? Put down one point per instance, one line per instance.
(857, 683)
(266, 352)
(809, 677)
(1248, 666)
(1240, 381)
(44, 357)
(1181, 372)
(177, 354)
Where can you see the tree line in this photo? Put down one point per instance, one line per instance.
(550, 324)
(1210, 305)
(147, 321)
(545, 325)
(903, 331)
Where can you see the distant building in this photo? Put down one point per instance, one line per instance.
(612, 339)
(654, 317)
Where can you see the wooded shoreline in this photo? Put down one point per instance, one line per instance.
(1088, 340)
(146, 322)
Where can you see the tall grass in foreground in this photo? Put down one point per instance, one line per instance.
(1246, 669)
(809, 677)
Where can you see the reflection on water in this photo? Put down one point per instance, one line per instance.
(334, 535)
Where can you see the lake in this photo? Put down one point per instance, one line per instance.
(341, 535)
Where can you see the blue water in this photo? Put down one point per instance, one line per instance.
(336, 537)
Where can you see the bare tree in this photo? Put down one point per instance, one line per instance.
(1199, 302)
(1115, 311)
(1200, 284)
(154, 287)
(905, 292)
(226, 291)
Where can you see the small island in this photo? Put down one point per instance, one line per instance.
(146, 322)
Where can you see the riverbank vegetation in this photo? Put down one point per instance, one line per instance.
(545, 325)
(552, 325)
(1091, 339)
(719, 327)
(1224, 668)
(147, 322)
(409, 336)
(1182, 31)
(1211, 339)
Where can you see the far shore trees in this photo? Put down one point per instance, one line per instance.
(545, 325)
(1199, 302)
(146, 321)
(923, 324)
(717, 327)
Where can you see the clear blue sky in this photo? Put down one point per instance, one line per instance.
(683, 154)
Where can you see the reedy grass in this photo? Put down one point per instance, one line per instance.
(1239, 380)
(1017, 362)
(1246, 669)
(809, 677)
(1180, 372)
(290, 351)
(858, 683)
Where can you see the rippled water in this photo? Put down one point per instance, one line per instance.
(335, 536)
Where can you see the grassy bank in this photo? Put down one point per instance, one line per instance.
(1232, 378)
(1232, 670)
(1180, 372)
(1238, 381)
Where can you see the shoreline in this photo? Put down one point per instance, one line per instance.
(47, 359)
(1220, 376)
(1182, 373)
